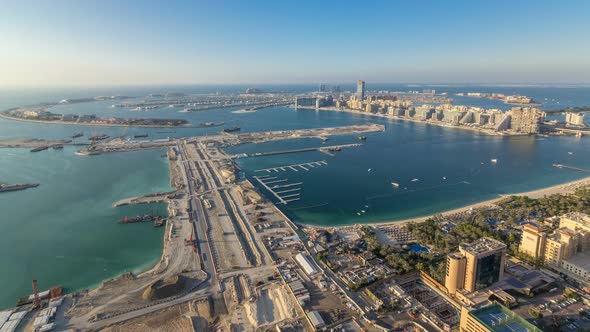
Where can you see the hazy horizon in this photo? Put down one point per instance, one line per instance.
(105, 43)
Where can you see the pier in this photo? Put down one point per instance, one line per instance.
(321, 149)
(294, 167)
(290, 193)
(572, 168)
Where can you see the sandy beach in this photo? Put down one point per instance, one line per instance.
(564, 188)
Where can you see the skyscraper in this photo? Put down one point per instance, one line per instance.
(360, 90)
(477, 265)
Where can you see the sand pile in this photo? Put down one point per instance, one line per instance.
(272, 306)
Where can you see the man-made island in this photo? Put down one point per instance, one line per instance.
(232, 259)
(517, 121)
(510, 99)
(41, 114)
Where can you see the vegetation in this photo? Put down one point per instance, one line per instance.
(431, 233)
(536, 314)
(500, 224)
(518, 207)
(483, 223)
(571, 294)
(404, 262)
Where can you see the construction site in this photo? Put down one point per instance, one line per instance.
(231, 260)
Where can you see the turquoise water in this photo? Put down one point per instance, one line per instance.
(65, 231)
(335, 194)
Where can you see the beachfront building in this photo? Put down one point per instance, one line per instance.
(476, 266)
(567, 249)
(533, 240)
(574, 119)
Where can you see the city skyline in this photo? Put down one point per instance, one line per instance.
(66, 43)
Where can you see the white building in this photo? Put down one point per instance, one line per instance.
(316, 320)
(575, 119)
(306, 264)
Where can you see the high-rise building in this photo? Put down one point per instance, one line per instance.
(360, 90)
(477, 265)
(526, 120)
(305, 101)
(574, 119)
(533, 240)
(567, 249)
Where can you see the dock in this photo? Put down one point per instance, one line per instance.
(290, 193)
(571, 168)
(321, 149)
(294, 167)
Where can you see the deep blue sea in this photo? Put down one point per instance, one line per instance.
(65, 231)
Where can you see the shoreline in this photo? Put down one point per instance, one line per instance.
(485, 131)
(86, 124)
(563, 188)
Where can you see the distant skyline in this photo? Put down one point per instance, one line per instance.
(98, 43)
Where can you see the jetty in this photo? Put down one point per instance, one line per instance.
(321, 149)
(572, 168)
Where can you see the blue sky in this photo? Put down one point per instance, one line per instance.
(199, 42)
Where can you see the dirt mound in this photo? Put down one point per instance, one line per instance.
(272, 306)
(162, 289)
(168, 320)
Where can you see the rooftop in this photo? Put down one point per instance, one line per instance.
(482, 245)
(456, 255)
(581, 260)
(498, 318)
(532, 226)
(578, 217)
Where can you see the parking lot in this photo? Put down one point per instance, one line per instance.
(556, 309)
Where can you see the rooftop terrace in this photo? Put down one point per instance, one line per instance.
(482, 245)
(500, 319)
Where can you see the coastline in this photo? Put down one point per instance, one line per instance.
(485, 131)
(564, 188)
(86, 124)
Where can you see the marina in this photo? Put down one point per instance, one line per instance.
(284, 196)
(294, 167)
(324, 149)
(176, 187)
(381, 153)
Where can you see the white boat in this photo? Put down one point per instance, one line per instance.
(415, 180)
(494, 161)
(444, 177)
(369, 170)
(570, 153)
(396, 185)
(363, 211)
